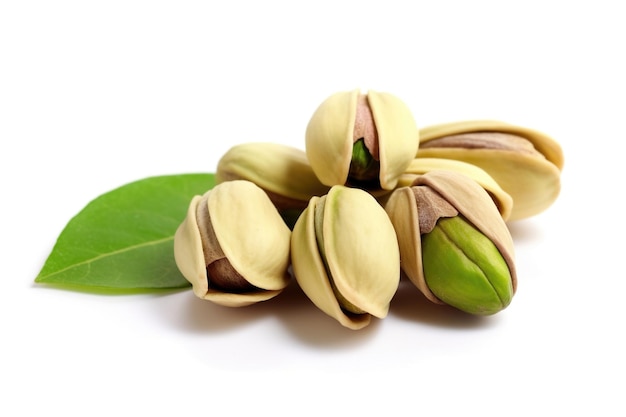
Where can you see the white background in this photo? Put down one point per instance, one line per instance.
(94, 95)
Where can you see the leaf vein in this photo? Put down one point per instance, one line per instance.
(89, 261)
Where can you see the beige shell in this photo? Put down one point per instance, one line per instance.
(361, 252)
(532, 181)
(282, 171)
(420, 166)
(329, 136)
(471, 201)
(251, 234)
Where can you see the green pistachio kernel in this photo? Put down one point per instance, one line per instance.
(464, 269)
(363, 167)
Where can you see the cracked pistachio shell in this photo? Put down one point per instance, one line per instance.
(421, 166)
(462, 281)
(345, 240)
(282, 171)
(249, 234)
(337, 124)
(532, 179)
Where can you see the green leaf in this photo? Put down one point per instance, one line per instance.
(124, 240)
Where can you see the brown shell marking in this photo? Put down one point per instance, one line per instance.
(485, 140)
(220, 273)
(364, 126)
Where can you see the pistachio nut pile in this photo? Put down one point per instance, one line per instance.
(371, 200)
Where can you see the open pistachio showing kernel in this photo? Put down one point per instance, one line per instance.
(454, 245)
(421, 166)
(526, 163)
(361, 140)
(345, 256)
(282, 171)
(233, 246)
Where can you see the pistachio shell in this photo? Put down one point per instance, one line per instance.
(469, 199)
(251, 235)
(541, 142)
(401, 207)
(420, 166)
(282, 171)
(398, 136)
(330, 137)
(360, 255)
(533, 181)
(278, 169)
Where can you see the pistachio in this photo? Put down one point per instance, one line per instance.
(483, 285)
(345, 256)
(361, 140)
(526, 163)
(421, 166)
(233, 246)
(282, 171)
(454, 245)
